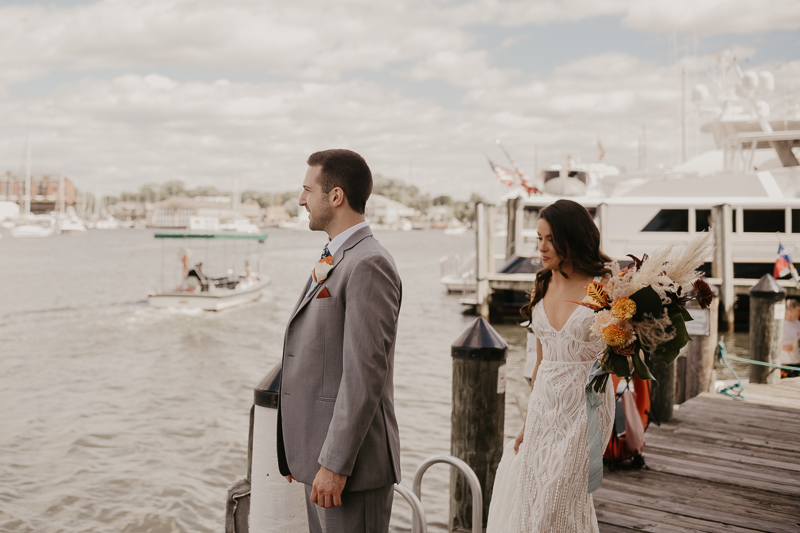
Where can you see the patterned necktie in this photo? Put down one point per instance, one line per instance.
(325, 253)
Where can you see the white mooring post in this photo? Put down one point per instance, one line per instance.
(275, 504)
(482, 259)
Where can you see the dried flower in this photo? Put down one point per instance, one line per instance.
(598, 293)
(602, 320)
(615, 335)
(623, 309)
(628, 350)
(703, 293)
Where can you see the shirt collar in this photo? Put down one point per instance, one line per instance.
(337, 242)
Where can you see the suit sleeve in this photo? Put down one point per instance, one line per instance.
(372, 306)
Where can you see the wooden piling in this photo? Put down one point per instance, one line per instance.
(662, 396)
(513, 219)
(767, 310)
(478, 416)
(511, 227)
(722, 267)
(695, 367)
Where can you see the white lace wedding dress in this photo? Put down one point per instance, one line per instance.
(543, 488)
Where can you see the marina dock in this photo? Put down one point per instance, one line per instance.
(719, 465)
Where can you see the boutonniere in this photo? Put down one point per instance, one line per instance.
(322, 268)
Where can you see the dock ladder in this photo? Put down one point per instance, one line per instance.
(419, 523)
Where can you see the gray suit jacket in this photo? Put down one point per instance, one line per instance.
(336, 405)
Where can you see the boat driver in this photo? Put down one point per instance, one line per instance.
(195, 278)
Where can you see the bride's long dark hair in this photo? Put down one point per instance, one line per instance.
(576, 240)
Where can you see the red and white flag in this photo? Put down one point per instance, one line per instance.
(505, 175)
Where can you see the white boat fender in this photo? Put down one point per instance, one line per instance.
(275, 504)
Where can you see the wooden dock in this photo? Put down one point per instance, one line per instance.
(719, 465)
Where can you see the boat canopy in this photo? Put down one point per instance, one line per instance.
(260, 237)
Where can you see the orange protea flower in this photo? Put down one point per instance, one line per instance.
(614, 335)
(703, 293)
(597, 292)
(623, 309)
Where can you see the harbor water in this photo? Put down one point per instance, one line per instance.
(117, 417)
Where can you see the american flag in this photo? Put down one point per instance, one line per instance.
(601, 154)
(505, 175)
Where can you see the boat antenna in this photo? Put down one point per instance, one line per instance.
(513, 164)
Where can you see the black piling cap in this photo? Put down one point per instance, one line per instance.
(480, 342)
(767, 286)
(269, 389)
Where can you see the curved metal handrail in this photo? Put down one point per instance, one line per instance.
(472, 479)
(418, 522)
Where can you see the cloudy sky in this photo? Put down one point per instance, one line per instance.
(118, 93)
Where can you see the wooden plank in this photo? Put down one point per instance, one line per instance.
(722, 402)
(717, 453)
(738, 409)
(712, 445)
(691, 510)
(610, 528)
(654, 520)
(743, 420)
(766, 506)
(685, 433)
(729, 476)
(752, 434)
(606, 518)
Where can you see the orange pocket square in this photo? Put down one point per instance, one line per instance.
(323, 293)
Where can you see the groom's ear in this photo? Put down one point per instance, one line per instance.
(337, 197)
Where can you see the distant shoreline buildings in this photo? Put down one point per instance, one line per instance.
(45, 191)
(172, 206)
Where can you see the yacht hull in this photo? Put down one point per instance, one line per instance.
(31, 232)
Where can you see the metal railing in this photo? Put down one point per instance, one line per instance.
(472, 479)
(418, 521)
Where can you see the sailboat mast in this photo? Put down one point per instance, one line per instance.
(28, 176)
(62, 189)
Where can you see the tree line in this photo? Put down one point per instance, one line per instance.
(396, 190)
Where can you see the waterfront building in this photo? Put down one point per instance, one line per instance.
(45, 194)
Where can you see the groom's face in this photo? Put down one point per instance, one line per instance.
(316, 202)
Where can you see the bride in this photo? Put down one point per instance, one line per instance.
(541, 482)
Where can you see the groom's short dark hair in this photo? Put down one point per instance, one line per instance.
(347, 170)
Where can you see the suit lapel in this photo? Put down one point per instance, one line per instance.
(302, 295)
(354, 239)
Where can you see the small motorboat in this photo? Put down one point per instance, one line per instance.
(199, 291)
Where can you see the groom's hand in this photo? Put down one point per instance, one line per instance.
(326, 491)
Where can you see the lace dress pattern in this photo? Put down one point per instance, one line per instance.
(543, 488)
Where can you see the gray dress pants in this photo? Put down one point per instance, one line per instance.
(366, 511)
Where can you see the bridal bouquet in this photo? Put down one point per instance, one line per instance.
(640, 314)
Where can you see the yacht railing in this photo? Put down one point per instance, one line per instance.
(472, 479)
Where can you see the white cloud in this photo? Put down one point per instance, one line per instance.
(713, 17)
(117, 131)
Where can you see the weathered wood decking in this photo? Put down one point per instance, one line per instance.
(719, 465)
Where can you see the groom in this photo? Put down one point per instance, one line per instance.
(337, 432)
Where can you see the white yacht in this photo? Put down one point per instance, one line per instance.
(754, 169)
(32, 231)
(240, 225)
